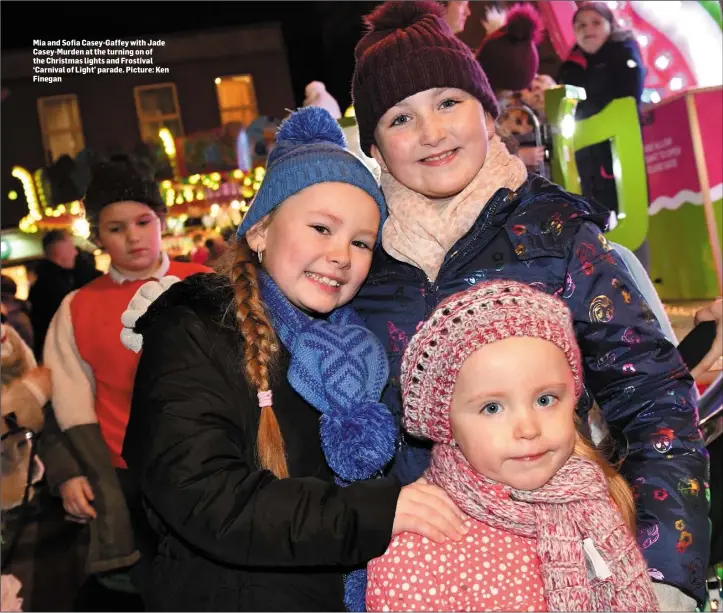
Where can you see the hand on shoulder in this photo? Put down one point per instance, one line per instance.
(427, 510)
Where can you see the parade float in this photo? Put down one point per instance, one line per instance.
(669, 171)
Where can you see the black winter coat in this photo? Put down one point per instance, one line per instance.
(615, 71)
(52, 285)
(232, 537)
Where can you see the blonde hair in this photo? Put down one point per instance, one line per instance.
(619, 489)
(261, 347)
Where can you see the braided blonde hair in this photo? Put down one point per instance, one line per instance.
(261, 347)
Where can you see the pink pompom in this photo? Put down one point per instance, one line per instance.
(524, 23)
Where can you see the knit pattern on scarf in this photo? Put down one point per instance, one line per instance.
(421, 231)
(574, 505)
(339, 367)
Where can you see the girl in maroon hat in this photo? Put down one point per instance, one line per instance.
(463, 210)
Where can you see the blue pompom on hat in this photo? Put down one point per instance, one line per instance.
(310, 148)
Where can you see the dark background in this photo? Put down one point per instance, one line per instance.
(319, 36)
(319, 39)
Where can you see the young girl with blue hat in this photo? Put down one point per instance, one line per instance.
(256, 434)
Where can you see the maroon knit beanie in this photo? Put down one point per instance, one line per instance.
(465, 322)
(408, 49)
(509, 55)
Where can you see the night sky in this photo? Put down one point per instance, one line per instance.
(319, 36)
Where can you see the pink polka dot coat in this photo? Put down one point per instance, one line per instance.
(489, 570)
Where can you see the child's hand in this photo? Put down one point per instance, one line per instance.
(77, 496)
(426, 510)
(532, 156)
(713, 312)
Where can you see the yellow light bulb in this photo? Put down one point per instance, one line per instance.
(81, 227)
(29, 189)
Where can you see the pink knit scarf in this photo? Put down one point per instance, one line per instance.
(573, 506)
(421, 231)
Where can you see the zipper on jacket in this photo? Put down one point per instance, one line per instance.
(432, 287)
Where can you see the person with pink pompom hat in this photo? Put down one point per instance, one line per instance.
(509, 57)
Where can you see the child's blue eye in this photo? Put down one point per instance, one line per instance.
(321, 229)
(491, 408)
(547, 400)
(399, 120)
(449, 103)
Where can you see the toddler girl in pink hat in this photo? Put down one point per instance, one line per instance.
(492, 378)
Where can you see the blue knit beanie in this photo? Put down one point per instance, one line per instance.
(310, 149)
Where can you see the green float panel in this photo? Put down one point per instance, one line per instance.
(681, 260)
(619, 124)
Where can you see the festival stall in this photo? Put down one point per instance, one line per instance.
(213, 177)
(214, 180)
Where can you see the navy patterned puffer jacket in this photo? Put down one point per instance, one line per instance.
(553, 240)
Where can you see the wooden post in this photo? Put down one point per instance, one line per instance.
(702, 168)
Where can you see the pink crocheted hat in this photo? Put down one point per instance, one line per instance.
(485, 313)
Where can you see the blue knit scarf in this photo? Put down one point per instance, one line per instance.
(339, 367)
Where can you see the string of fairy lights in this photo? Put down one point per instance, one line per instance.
(215, 196)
